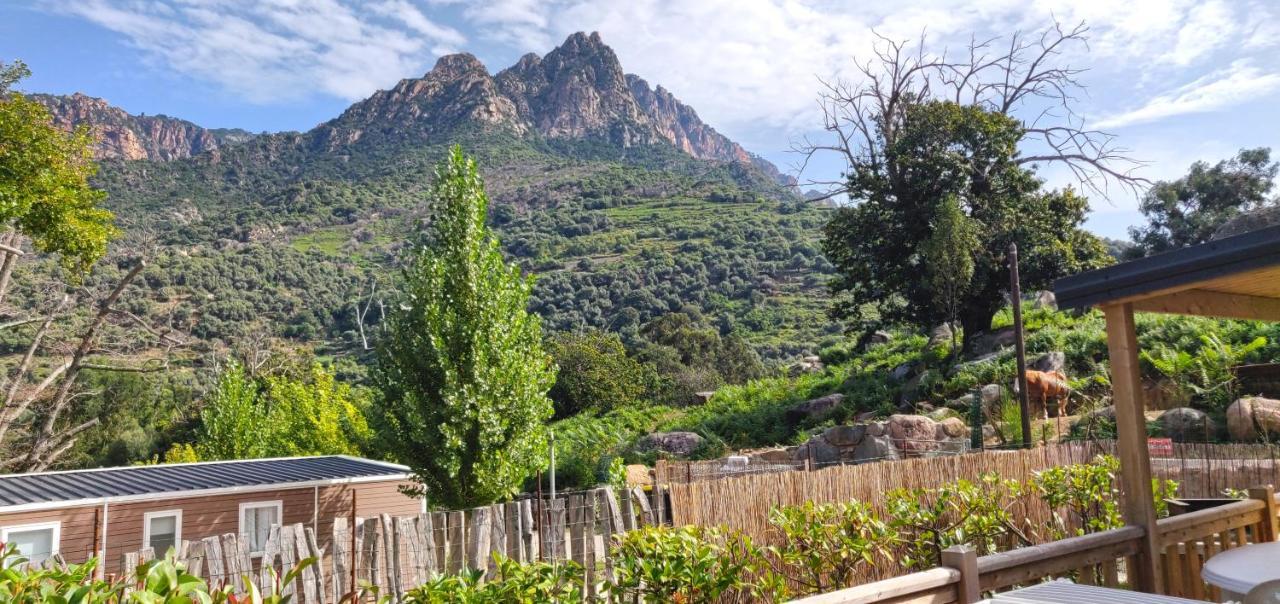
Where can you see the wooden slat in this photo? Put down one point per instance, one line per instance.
(317, 571)
(270, 552)
(933, 586)
(497, 531)
(456, 545)
(341, 557)
(308, 578)
(427, 539)
(288, 558)
(1195, 585)
(529, 531)
(515, 541)
(1173, 571)
(478, 541)
(1206, 303)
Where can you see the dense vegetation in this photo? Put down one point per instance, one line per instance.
(1195, 353)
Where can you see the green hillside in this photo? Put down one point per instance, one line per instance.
(274, 232)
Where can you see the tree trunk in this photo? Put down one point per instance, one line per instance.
(974, 322)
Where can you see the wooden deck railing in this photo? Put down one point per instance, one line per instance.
(1186, 542)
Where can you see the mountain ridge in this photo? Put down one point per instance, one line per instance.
(119, 134)
(578, 90)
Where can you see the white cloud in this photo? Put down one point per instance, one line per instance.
(1239, 83)
(278, 50)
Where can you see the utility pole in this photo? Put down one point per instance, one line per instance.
(1020, 345)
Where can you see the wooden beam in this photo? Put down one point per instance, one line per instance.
(1202, 302)
(1131, 436)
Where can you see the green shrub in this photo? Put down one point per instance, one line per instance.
(541, 582)
(824, 545)
(690, 565)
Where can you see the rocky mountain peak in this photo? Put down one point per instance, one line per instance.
(456, 66)
(577, 91)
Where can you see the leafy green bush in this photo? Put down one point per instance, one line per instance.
(163, 581)
(824, 545)
(690, 565)
(541, 582)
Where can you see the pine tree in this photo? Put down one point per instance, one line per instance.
(462, 375)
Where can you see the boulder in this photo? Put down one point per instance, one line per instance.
(938, 415)
(953, 427)
(1251, 417)
(1045, 300)
(880, 337)
(674, 443)
(989, 342)
(913, 434)
(875, 448)
(940, 335)
(1184, 424)
(1098, 416)
(902, 372)
(816, 451)
(986, 358)
(773, 456)
(813, 408)
(877, 429)
(911, 390)
(1240, 420)
(961, 404)
(1050, 361)
(845, 436)
(704, 397)
(992, 394)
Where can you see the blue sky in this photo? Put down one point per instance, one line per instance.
(1175, 80)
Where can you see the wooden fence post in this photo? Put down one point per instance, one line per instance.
(964, 559)
(1267, 495)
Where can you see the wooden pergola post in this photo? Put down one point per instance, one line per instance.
(1131, 436)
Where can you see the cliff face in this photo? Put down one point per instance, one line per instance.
(577, 91)
(120, 135)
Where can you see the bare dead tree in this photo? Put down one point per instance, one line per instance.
(1022, 77)
(40, 392)
(361, 313)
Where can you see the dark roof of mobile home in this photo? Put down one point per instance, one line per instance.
(107, 484)
(1243, 265)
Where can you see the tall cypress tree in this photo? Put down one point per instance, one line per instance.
(462, 375)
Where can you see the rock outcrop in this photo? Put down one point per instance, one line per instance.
(1251, 417)
(1184, 424)
(812, 408)
(900, 436)
(119, 135)
(682, 444)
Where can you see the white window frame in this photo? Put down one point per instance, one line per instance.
(177, 527)
(278, 504)
(55, 525)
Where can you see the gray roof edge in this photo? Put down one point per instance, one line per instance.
(375, 462)
(1244, 252)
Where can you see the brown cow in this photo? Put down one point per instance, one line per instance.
(1043, 386)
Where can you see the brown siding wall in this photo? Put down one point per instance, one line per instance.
(76, 543)
(214, 515)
